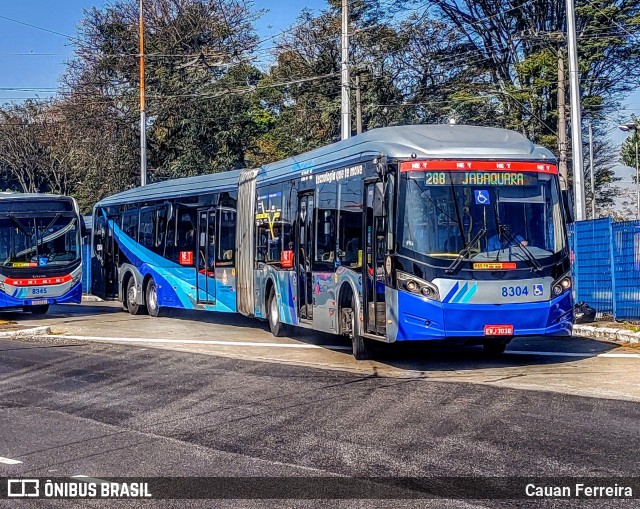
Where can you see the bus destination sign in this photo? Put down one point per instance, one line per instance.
(478, 178)
(509, 166)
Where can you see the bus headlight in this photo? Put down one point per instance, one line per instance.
(416, 285)
(561, 285)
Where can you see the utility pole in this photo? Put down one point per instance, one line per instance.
(358, 106)
(593, 189)
(576, 119)
(562, 124)
(143, 116)
(346, 103)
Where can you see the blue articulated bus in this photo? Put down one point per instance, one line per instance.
(40, 253)
(424, 232)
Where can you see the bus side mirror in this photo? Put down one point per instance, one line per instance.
(169, 207)
(567, 203)
(378, 200)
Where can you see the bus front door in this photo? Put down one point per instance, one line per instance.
(98, 259)
(375, 248)
(303, 258)
(104, 263)
(206, 276)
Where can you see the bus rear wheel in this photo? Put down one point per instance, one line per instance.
(132, 296)
(275, 325)
(39, 310)
(152, 298)
(362, 347)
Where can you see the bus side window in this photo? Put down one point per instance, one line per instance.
(130, 223)
(325, 215)
(350, 223)
(227, 236)
(186, 233)
(147, 227)
(269, 224)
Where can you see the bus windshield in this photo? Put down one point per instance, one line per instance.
(49, 239)
(482, 216)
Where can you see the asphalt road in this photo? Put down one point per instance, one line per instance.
(102, 410)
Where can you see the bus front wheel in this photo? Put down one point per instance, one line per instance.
(152, 298)
(275, 325)
(132, 298)
(362, 347)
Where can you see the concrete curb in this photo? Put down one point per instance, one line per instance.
(91, 298)
(622, 336)
(34, 331)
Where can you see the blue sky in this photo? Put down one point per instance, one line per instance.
(32, 60)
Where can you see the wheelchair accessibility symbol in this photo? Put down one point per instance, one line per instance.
(538, 290)
(482, 197)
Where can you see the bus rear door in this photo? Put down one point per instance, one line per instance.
(206, 257)
(303, 249)
(375, 247)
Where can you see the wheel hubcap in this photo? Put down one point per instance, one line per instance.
(132, 295)
(274, 311)
(353, 324)
(153, 298)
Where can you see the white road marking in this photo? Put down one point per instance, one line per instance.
(255, 344)
(9, 461)
(86, 478)
(204, 342)
(575, 354)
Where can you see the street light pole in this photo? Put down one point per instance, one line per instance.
(346, 103)
(633, 127)
(143, 115)
(576, 120)
(593, 187)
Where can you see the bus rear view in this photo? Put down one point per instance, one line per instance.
(40, 251)
(483, 252)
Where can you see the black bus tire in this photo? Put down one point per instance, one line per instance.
(362, 347)
(39, 310)
(133, 307)
(277, 328)
(151, 298)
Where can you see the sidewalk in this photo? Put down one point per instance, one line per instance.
(607, 331)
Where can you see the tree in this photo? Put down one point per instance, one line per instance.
(196, 60)
(34, 149)
(628, 151)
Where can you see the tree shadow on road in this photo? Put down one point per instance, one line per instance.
(414, 356)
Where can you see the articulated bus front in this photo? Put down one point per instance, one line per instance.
(482, 253)
(40, 254)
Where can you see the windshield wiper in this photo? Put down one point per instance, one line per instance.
(462, 254)
(504, 230)
(455, 203)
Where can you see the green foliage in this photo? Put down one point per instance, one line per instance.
(211, 108)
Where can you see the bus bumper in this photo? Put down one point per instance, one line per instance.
(73, 295)
(420, 319)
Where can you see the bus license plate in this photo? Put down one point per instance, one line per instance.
(39, 302)
(498, 330)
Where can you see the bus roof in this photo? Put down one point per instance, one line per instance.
(425, 141)
(10, 195)
(175, 188)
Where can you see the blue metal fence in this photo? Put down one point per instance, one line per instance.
(86, 268)
(606, 266)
